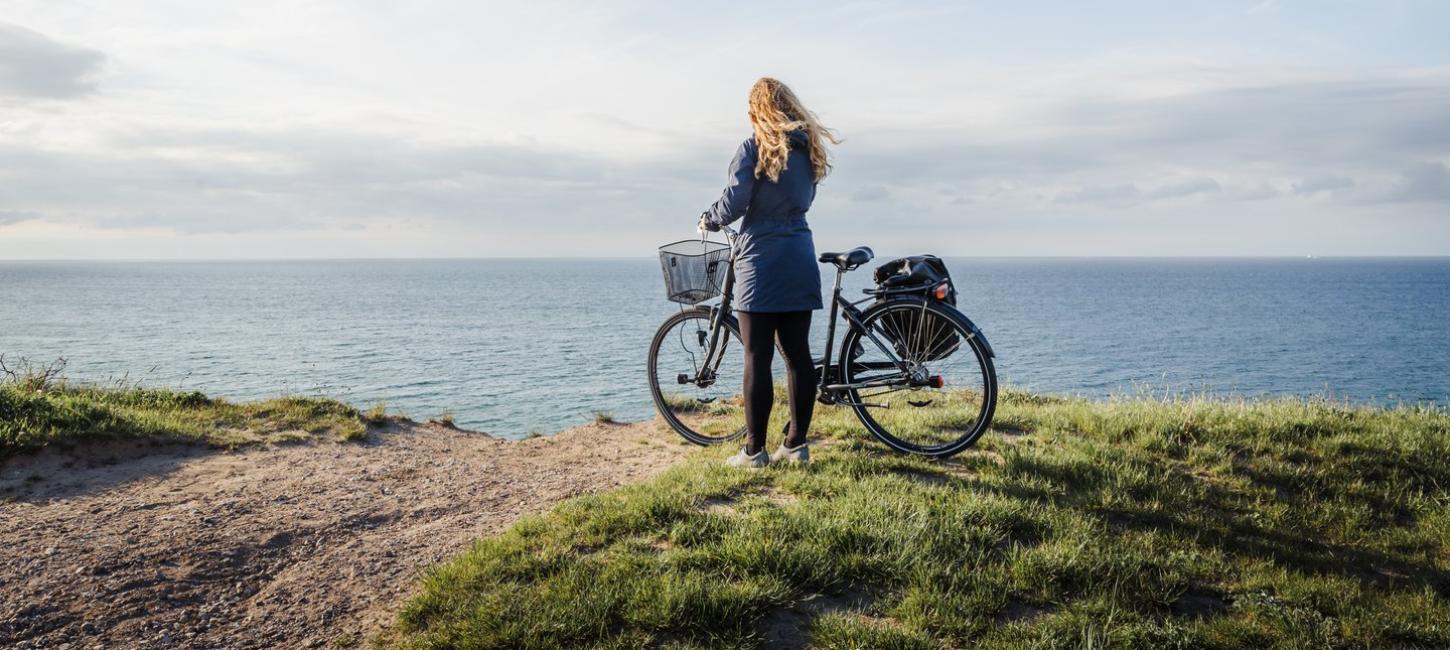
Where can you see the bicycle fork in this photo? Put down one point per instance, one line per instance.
(716, 341)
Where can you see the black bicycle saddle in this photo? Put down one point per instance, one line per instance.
(849, 259)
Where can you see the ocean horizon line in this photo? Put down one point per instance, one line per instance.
(638, 258)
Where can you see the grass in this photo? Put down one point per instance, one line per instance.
(377, 414)
(52, 412)
(1132, 523)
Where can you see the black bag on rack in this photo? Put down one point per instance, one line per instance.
(916, 271)
(917, 275)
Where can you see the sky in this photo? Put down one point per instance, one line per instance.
(306, 129)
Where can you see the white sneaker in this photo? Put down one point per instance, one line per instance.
(758, 460)
(796, 455)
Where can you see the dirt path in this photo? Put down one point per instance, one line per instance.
(132, 546)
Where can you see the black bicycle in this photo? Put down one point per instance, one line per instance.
(917, 372)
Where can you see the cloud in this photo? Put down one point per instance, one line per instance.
(870, 193)
(1323, 183)
(327, 116)
(1423, 181)
(9, 217)
(227, 176)
(32, 65)
(1110, 195)
(1255, 192)
(1264, 6)
(1281, 125)
(1185, 188)
(243, 180)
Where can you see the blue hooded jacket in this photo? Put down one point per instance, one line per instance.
(775, 264)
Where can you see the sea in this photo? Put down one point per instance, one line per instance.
(515, 347)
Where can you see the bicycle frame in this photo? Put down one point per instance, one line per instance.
(826, 372)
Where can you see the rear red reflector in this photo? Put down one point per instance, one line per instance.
(941, 291)
(936, 381)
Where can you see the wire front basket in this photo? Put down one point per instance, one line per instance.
(694, 269)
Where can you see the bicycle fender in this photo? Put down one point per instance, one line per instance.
(977, 334)
(971, 327)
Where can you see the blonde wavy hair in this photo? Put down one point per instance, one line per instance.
(775, 111)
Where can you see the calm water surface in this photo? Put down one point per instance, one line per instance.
(514, 346)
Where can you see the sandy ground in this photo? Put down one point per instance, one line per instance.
(138, 546)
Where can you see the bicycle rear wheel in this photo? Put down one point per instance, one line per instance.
(705, 412)
(944, 399)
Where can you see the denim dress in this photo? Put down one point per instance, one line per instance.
(775, 262)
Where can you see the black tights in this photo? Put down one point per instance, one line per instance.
(759, 332)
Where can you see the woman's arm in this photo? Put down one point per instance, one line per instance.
(736, 198)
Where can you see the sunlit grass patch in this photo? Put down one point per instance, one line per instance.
(1128, 523)
(62, 413)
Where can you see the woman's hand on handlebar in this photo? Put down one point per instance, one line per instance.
(705, 224)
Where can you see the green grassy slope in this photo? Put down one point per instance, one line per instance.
(1136, 523)
(35, 416)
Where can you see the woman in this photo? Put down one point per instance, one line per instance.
(777, 285)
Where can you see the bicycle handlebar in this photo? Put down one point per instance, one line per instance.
(730, 234)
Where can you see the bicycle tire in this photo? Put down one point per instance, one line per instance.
(672, 418)
(967, 331)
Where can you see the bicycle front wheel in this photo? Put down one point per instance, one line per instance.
(702, 404)
(924, 382)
